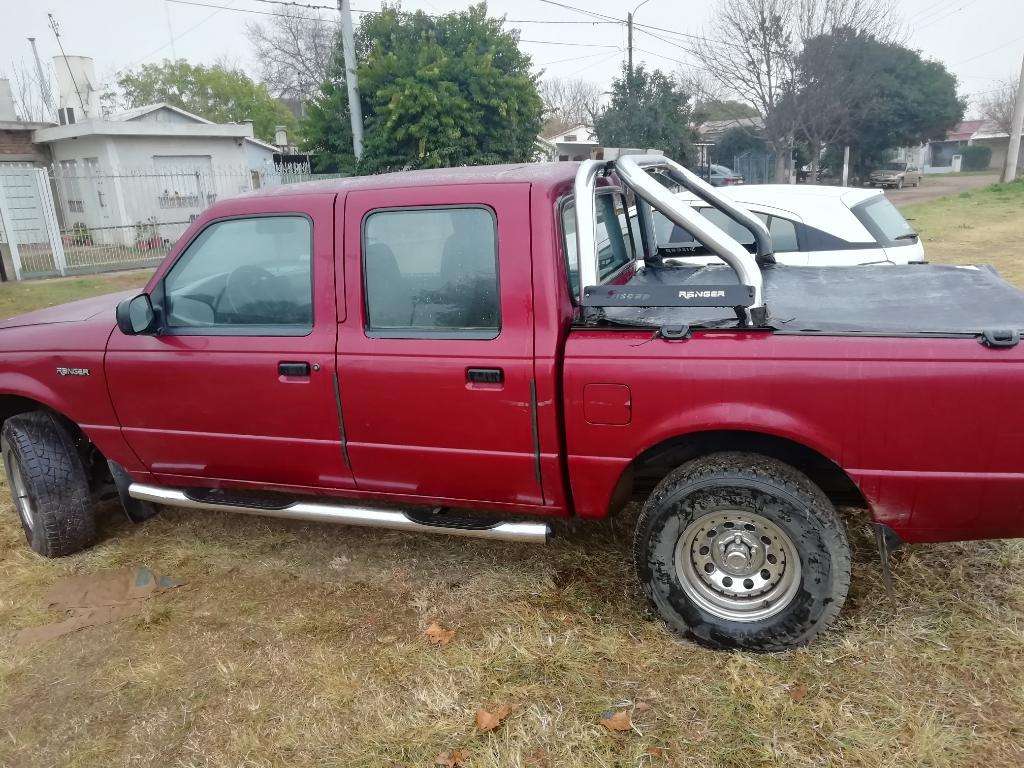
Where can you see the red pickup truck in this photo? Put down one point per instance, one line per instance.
(506, 341)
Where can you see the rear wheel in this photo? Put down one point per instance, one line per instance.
(742, 551)
(48, 483)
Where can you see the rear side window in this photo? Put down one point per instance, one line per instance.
(245, 276)
(884, 221)
(617, 238)
(431, 273)
(783, 232)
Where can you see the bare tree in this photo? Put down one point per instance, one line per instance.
(568, 103)
(754, 53)
(293, 51)
(27, 93)
(997, 105)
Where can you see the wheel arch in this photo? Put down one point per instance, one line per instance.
(646, 470)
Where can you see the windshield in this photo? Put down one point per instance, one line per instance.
(893, 167)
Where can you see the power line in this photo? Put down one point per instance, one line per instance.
(992, 50)
(601, 16)
(575, 58)
(937, 19)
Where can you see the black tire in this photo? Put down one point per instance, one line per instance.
(61, 519)
(762, 489)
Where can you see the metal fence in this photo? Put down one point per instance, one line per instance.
(755, 167)
(76, 218)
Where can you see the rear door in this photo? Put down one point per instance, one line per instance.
(435, 356)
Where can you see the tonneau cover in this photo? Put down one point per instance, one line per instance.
(881, 299)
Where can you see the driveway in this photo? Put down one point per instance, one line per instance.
(941, 185)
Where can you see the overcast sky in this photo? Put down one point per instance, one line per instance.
(981, 41)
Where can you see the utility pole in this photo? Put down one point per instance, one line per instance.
(44, 83)
(629, 44)
(348, 47)
(629, 48)
(1016, 124)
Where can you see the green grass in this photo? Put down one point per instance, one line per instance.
(301, 645)
(18, 297)
(981, 226)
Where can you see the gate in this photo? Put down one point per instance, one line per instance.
(28, 223)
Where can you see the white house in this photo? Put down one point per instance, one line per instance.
(120, 175)
(576, 143)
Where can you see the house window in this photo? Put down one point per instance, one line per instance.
(184, 181)
(569, 137)
(70, 186)
(563, 158)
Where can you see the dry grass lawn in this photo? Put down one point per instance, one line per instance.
(302, 645)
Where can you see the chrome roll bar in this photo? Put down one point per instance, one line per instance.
(632, 170)
(583, 188)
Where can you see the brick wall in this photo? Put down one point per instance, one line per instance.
(17, 145)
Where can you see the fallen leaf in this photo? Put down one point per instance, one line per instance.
(616, 721)
(797, 692)
(437, 635)
(488, 721)
(539, 758)
(453, 759)
(656, 751)
(641, 706)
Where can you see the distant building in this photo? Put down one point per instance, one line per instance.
(937, 156)
(576, 143)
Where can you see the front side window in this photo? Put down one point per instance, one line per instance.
(431, 273)
(244, 275)
(882, 219)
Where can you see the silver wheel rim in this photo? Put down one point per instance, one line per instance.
(737, 565)
(19, 494)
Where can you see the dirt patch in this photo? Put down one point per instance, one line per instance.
(941, 185)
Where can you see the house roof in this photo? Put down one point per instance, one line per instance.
(713, 128)
(137, 112)
(262, 144)
(964, 130)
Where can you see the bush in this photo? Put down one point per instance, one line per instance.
(976, 158)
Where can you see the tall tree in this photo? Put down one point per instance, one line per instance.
(219, 93)
(293, 50)
(436, 91)
(568, 102)
(875, 95)
(647, 109)
(753, 52)
(997, 105)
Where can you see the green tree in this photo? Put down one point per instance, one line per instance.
(649, 110)
(853, 88)
(218, 93)
(435, 92)
(734, 142)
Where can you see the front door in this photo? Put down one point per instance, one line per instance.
(435, 356)
(238, 385)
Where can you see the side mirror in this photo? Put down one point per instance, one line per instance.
(136, 316)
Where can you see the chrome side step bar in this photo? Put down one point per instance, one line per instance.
(350, 514)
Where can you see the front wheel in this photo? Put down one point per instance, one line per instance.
(48, 484)
(742, 551)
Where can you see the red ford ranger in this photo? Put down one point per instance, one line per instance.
(507, 341)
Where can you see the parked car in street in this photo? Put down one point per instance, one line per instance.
(895, 175)
(382, 350)
(721, 176)
(811, 225)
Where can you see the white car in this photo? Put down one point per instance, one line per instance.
(810, 226)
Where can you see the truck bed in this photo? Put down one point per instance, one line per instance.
(912, 299)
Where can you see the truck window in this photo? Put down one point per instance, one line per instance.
(882, 219)
(431, 273)
(616, 243)
(241, 274)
